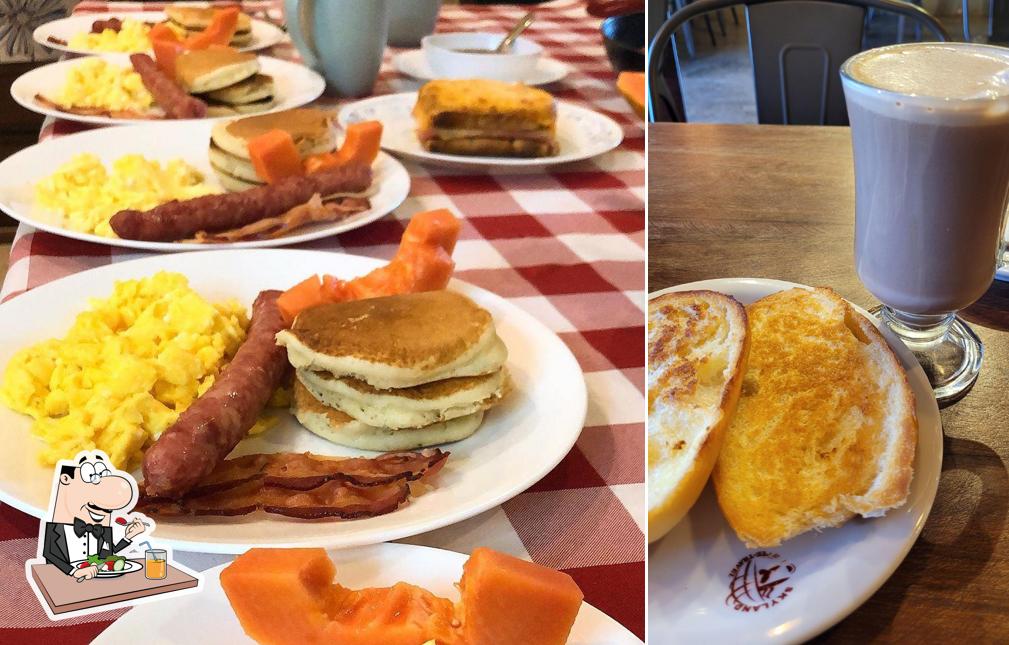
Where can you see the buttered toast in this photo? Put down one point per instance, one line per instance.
(825, 428)
(697, 347)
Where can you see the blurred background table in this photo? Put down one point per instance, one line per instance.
(565, 243)
(778, 202)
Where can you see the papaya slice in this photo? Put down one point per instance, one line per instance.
(165, 53)
(287, 596)
(280, 595)
(429, 267)
(162, 31)
(219, 32)
(399, 615)
(508, 601)
(438, 227)
(361, 144)
(632, 87)
(275, 156)
(423, 262)
(304, 295)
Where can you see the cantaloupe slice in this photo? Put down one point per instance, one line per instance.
(632, 86)
(280, 595)
(508, 601)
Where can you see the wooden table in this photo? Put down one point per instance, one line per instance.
(779, 202)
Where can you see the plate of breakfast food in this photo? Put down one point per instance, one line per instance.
(794, 452)
(110, 566)
(413, 62)
(130, 31)
(263, 180)
(115, 89)
(386, 593)
(487, 124)
(375, 402)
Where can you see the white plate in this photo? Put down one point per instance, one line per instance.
(187, 140)
(207, 617)
(294, 85)
(690, 569)
(131, 566)
(264, 34)
(414, 63)
(581, 133)
(520, 441)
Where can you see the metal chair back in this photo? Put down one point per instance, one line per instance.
(796, 48)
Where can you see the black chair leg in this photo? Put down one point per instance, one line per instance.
(735, 16)
(721, 22)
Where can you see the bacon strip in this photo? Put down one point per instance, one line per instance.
(56, 41)
(304, 485)
(304, 471)
(333, 499)
(313, 211)
(87, 111)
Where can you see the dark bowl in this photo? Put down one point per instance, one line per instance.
(624, 38)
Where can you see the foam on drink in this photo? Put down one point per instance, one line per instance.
(935, 70)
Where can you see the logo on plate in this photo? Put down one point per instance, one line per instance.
(759, 581)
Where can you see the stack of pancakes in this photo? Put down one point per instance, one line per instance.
(226, 79)
(310, 128)
(396, 373)
(189, 20)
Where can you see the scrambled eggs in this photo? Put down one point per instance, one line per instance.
(131, 38)
(93, 83)
(126, 369)
(87, 195)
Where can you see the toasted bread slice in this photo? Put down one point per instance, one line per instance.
(825, 427)
(697, 347)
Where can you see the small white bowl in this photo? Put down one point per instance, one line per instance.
(446, 61)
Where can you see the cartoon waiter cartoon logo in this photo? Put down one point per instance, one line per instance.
(90, 535)
(80, 524)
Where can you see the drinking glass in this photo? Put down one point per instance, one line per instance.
(156, 564)
(931, 184)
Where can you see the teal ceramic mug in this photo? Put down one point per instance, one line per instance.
(341, 39)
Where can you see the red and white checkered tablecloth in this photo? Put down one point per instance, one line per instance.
(566, 244)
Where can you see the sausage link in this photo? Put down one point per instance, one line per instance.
(99, 26)
(213, 425)
(175, 101)
(180, 220)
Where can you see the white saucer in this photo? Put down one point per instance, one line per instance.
(414, 63)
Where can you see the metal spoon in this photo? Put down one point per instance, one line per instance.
(506, 43)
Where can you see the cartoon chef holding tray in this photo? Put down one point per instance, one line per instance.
(80, 524)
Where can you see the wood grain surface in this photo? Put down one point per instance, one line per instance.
(778, 202)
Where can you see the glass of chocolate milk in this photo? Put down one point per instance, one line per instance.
(930, 132)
